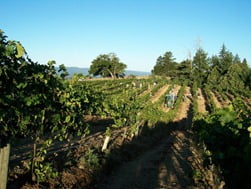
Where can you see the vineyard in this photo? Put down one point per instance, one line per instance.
(63, 132)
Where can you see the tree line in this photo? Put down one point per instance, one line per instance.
(223, 72)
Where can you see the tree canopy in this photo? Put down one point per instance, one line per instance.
(165, 65)
(222, 72)
(107, 65)
(200, 66)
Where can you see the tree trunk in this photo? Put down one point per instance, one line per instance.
(4, 163)
(112, 75)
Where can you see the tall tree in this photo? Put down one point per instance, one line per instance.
(226, 59)
(165, 65)
(183, 70)
(233, 80)
(107, 65)
(213, 78)
(200, 66)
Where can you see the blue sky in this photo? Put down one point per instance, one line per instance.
(74, 32)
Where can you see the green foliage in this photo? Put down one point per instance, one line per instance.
(210, 99)
(226, 59)
(107, 65)
(183, 71)
(62, 70)
(229, 74)
(195, 98)
(226, 134)
(89, 160)
(123, 109)
(223, 73)
(20, 50)
(35, 101)
(153, 113)
(42, 170)
(45, 172)
(213, 78)
(200, 67)
(165, 65)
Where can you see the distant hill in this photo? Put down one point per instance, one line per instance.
(73, 70)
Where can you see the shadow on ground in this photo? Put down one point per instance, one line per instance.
(159, 158)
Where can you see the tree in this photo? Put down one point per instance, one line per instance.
(213, 78)
(200, 66)
(165, 65)
(107, 65)
(226, 59)
(158, 68)
(234, 79)
(183, 70)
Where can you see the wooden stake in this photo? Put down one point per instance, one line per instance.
(4, 164)
(104, 147)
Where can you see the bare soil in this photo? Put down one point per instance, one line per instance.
(21, 152)
(201, 102)
(184, 108)
(159, 93)
(247, 101)
(216, 101)
(224, 103)
(173, 163)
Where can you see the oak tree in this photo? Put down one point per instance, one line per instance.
(107, 65)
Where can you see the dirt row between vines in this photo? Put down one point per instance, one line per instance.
(159, 93)
(224, 103)
(20, 153)
(201, 102)
(216, 101)
(184, 108)
(170, 164)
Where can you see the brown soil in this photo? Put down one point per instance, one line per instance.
(184, 108)
(224, 103)
(201, 102)
(20, 152)
(174, 163)
(247, 101)
(160, 92)
(231, 97)
(216, 101)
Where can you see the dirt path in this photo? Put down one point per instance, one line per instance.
(247, 101)
(184, 108)
(160, 92)
(201, 102)
(224, 102)
(175, 92)
(216, 101)
(171, 164)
